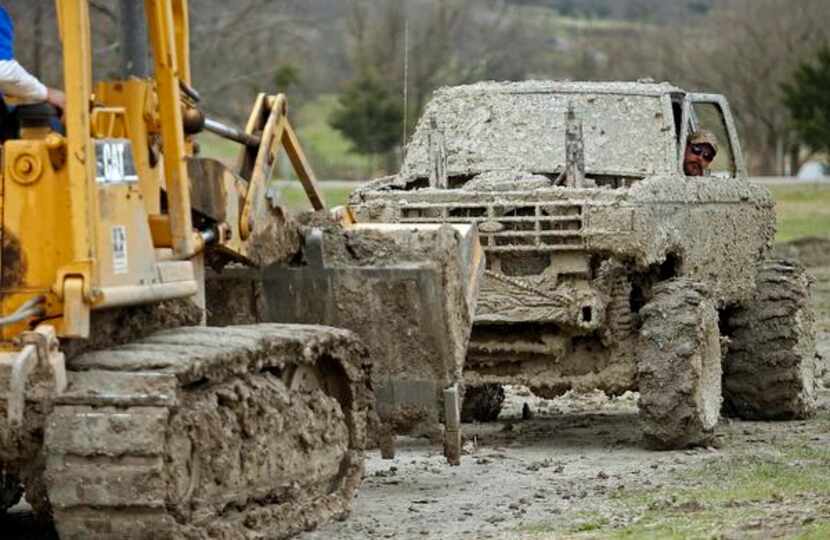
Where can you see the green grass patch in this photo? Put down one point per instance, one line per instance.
(818, 531)
(593, 522)
(802, 210)
(293, 197)
(582, 522)
(214, 146)
(328, 151)
(553, 21)
(728, 494)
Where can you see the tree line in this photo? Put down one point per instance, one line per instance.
(385, 57)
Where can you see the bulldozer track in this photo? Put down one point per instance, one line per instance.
(199, 432)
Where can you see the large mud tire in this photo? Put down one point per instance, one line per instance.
(11, 490)
(482, 403)
(679, 366)
(241, 432)
(770, 366)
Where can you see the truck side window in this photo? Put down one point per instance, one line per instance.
(710, 117)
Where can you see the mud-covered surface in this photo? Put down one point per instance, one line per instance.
(578, 468)
(679, 366)
(208, 433)
(14, 264)
(770, 365)
(408, 292)
(234, 296)
(118, 326)
(491, 125)
(715, 229)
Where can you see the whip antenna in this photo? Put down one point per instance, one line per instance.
(405, 76)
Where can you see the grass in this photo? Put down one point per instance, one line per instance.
(803, 210)
(553, 22)
(294, 198)
(751, 494)
(328, 151)
(214, 146)
(731, 494)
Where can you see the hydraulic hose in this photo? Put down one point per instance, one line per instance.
(30, 308)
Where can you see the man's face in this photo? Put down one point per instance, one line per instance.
(697, 158)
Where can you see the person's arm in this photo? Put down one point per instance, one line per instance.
(17, 82)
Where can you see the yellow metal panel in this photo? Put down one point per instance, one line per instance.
(125, 255)
(136, 97)
(303, 168)
(35, 215)
(247, 155)
(181, 25)
(77, 55)
(272, 135)
(36, 239)
(160, 24)
(160, 229)
(76, 314)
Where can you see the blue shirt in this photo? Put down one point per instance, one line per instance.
(6, 35)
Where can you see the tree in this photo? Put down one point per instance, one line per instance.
(369, 115)
(807, 97)
(412, 47)
(726, 51)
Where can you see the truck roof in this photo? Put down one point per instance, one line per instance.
(628, 128)
(644, 87)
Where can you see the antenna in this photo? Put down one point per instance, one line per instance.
(405, 75)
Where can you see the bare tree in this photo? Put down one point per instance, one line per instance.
(744, 49)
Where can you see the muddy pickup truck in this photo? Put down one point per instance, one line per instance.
(607, 267)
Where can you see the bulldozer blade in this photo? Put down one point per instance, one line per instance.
(409, 291)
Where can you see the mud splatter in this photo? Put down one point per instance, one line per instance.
(13, 261)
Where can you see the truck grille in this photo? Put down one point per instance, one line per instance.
(524, 227)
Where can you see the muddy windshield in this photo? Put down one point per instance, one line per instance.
(485, 130)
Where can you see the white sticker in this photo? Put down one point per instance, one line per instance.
(114, 162)
(119, 250)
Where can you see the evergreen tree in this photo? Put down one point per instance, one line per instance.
(807, 96)
(369, 115)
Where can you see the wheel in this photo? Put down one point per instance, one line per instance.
(770, 367)
(482, 403)
(679, 366)
(10, 490)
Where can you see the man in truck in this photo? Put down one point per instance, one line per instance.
(701, 148)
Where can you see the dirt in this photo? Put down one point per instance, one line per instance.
(542, 319)
(578, 464)
(679, 366)
(578, 468)
(118, 326)
(492, 125)
(407, 291)
(772, 340)
(203, 433)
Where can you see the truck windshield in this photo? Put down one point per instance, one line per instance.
(623, 134)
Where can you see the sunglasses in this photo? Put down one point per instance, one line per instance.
(703, 150)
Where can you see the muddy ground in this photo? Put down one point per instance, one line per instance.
(577, 469)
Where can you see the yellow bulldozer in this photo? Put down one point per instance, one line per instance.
(123, 416)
